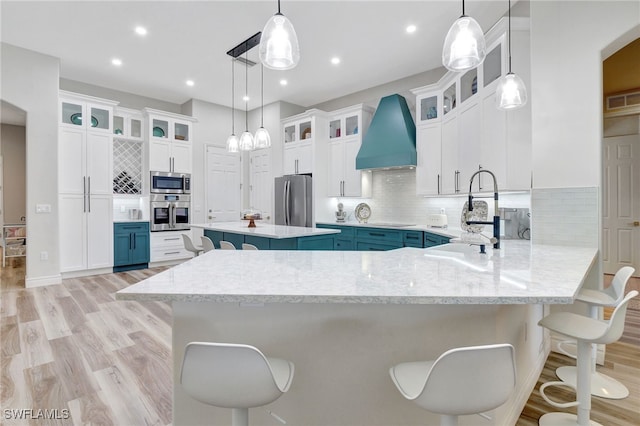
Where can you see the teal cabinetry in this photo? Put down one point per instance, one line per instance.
(130, 246)
(345, 240)
(316, 242)
(431, 240)
(377, 239)
(413, 239)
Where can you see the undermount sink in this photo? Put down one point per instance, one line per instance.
(391, 225)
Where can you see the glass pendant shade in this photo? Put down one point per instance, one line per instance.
(464, 47)
(246, 141)
(262, 138)
(232, 143)
(511, 92)
(279, 48)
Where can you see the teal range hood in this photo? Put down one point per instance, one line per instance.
(391, 138)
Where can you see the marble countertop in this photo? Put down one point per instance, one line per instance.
(265, 229)
(130, 220)
(449, 274)
(451, 232)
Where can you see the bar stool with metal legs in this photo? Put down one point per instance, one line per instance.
(469, 380)
(233, 376)
(586, 331)
(601, 384)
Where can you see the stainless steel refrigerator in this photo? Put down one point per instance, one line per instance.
(293, 200)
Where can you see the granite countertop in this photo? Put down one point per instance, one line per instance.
(130, 220)
(265, 229)
(519, 272)
(451, 232)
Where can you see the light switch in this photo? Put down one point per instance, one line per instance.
(43, 208)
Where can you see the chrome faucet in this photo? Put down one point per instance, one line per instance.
(496, 216)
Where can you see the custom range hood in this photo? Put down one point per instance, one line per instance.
(391, 138)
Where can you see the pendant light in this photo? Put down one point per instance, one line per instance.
(511, 92)
(464, 47)
(262, 138)
(246, 139)
(279, 48)
(232, 140)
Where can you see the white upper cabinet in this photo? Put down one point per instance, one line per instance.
(128, 124)
(347, 127)
(169, 137)
(301, 134)
(459, 112)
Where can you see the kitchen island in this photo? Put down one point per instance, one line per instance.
(269, 237)
(344, 318)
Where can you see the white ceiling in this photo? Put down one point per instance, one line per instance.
(189, 40)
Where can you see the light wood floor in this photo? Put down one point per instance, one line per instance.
(73, 347)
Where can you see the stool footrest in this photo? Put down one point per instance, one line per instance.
(558, 404)
(561, 348)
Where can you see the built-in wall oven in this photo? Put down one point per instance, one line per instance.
(170, 212)
(170, 183)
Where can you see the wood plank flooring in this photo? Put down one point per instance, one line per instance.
(73, 347)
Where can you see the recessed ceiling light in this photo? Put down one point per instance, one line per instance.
(411, 29)
(190, 83)
(141, 31)
(245, 98)
(283, 82)
(117, 62)
(335, 60)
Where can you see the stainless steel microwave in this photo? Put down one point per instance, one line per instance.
(170, 183)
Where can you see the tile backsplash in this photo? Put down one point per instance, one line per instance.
(122, 205)
(393, 200)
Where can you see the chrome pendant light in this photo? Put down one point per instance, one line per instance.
(262, 138)
(464, 47)
(246, 138)
(511, 92)
(232, 140)
(279, 48)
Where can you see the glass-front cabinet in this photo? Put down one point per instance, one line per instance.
(169, 137)
(300, 133)
(127, 123)
(75, 108)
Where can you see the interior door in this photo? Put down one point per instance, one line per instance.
(261, 189)
(223, 185)
(621, 203)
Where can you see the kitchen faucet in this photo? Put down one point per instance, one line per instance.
(496, 216)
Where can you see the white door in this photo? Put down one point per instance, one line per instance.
(99, 164)
(429, 149)
(450, 157)
(223, 185)
(71, 158)
(99, 232)
(336, 169)
(290, 159)
(181, 157)
(159, 156)
(305, 157)
(352, 176)
(73, 237)
(621, 203)
(261, 186)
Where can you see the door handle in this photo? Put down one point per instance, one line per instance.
(438, 183)
(130, 244)
(89, 193)
(84, 194)
(635, 223)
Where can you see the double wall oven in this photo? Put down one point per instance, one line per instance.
(170, 201)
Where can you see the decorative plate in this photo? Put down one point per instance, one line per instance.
(77, 119)
(479, 212)
(363, 212)
(158, 132)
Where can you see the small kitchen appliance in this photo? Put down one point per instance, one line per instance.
(341, 215)
(170, 183)
(437, 220)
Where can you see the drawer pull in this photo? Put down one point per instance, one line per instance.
(412, 237)
(377, 234)
(171, 239)
(172, 252)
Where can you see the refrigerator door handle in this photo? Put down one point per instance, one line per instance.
(286, 203)
(305, 205)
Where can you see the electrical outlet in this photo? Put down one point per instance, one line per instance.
(122, 209)
(44, 255)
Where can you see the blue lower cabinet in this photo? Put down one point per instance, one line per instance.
(214, 236)
(262, 243)
(374, 246)
(130, 246)
(318, 242)
(283, 244)
(235, 239)
(378, 239)
(431, 240)
(344, 244)
(413, 239)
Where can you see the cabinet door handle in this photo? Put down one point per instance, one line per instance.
(480, 178)
(130, 244)
(171, 252)
(84, 194)
(438, 183)
(376, 234)
(89, 193)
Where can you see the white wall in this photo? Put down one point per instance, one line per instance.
(567, 41)
(30, 82)
(14, 189)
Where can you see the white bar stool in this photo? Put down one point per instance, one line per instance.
(469, 380)
(233, 376)
(207, 244)
(226, 245)
(601, 384)
(586, 331)
(189, 246)
(246, 246)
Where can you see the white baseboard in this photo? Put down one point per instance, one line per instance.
(524, 392)
(42, 281)
(87, 272)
